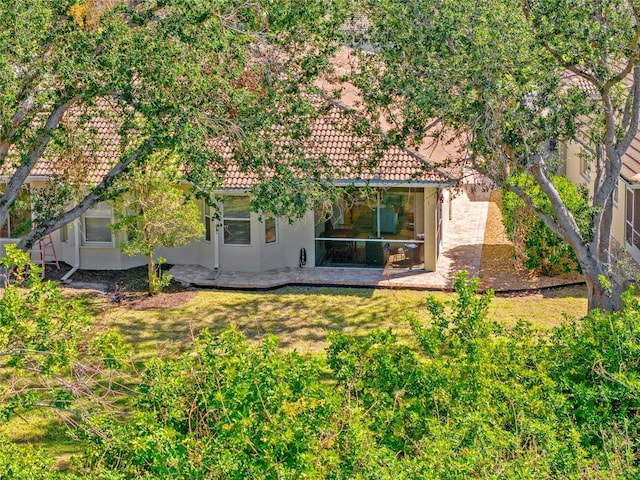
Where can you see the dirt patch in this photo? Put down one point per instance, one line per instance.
(127, 288)
(498, 269)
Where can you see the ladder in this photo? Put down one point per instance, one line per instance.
(47, 252)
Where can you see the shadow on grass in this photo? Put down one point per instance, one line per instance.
(300, 319)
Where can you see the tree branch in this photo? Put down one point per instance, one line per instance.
(33, 155)
(48, 226)
(632, 129)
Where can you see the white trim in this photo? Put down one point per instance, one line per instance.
(94, 243)
(585, 169)
(207, 220)
(236, 219)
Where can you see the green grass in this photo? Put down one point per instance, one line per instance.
(42, 428)
(303, 317)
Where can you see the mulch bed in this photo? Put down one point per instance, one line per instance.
(127, 288)
(498, 268)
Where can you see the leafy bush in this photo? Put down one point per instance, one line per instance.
(51, 355)
(467, 399)
(537, 247)
(470, 399)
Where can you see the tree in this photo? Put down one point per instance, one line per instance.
(155, 212)
(508, 79)
(176, 75)
(51, 355)
(466, 398)
(537, 247)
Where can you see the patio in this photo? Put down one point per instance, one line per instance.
(461, 250)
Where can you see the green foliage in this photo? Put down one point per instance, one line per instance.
(22, 463)
(153, 211)
(472, 400)
(51, 355)
(468, 399)
(236, 411)
(508, 80)
(117, 81)
(597, 363)
(537, 247)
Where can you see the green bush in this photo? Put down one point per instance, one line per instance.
(537, 247)
(470, 399)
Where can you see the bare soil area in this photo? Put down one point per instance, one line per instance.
(498, 269)
(127, 288)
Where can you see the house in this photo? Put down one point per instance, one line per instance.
(390, 215)
(625, 228)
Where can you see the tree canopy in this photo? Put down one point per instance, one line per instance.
(165, 75)
(154, 211)
(508, 79)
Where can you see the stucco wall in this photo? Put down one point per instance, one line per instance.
(574, 174)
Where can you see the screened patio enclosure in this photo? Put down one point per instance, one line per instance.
(377, 228)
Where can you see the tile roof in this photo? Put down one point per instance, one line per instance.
(87, 164)
(330, 142)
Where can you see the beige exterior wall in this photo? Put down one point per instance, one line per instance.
(431, 228)
(71, 248)
(576, 175)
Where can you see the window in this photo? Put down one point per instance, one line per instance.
(96, 224)
(236, 220)
(19, 221)
(270, 230)
(64, 234)
(207, 222)
(632, 218)
(585, 167)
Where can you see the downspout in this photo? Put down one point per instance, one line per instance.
(76, 240)
(216, 246)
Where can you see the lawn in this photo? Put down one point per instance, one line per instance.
(302, 317)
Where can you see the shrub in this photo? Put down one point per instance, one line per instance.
(537, 248)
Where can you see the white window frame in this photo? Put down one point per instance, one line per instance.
(629, 217)
(91, 213)
(585, 168)
(226, 218)
(276, 238)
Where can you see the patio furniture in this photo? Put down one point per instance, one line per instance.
(341, 250)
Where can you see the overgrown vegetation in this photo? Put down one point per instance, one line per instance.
(537, 248)
(51, 353)
(469, 398)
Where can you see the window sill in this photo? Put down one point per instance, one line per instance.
(97, 245)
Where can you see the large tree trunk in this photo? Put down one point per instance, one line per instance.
(603, 297)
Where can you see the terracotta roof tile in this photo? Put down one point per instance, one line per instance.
(330, 140)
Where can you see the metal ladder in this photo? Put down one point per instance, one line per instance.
(42, 249)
